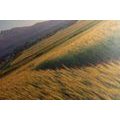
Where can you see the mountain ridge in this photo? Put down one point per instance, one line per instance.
(17, 37)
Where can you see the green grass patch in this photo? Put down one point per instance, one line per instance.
(101, 52)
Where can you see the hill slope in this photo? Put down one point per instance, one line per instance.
(79, 62)
(19, 38)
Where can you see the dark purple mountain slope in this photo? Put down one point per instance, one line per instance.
(16, 38)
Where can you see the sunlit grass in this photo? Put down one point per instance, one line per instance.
(85, 66)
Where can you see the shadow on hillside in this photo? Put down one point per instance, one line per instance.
(99, 53)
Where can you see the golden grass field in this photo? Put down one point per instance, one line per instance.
(78, 62)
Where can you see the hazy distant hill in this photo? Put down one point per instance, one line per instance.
(18, 38)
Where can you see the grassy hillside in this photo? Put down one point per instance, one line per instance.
(79, 62)
(46, 45)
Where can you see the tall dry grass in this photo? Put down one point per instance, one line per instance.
(94, 82)
(98, 80)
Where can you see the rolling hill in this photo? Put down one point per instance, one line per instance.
(81, 61)
(21, 37)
